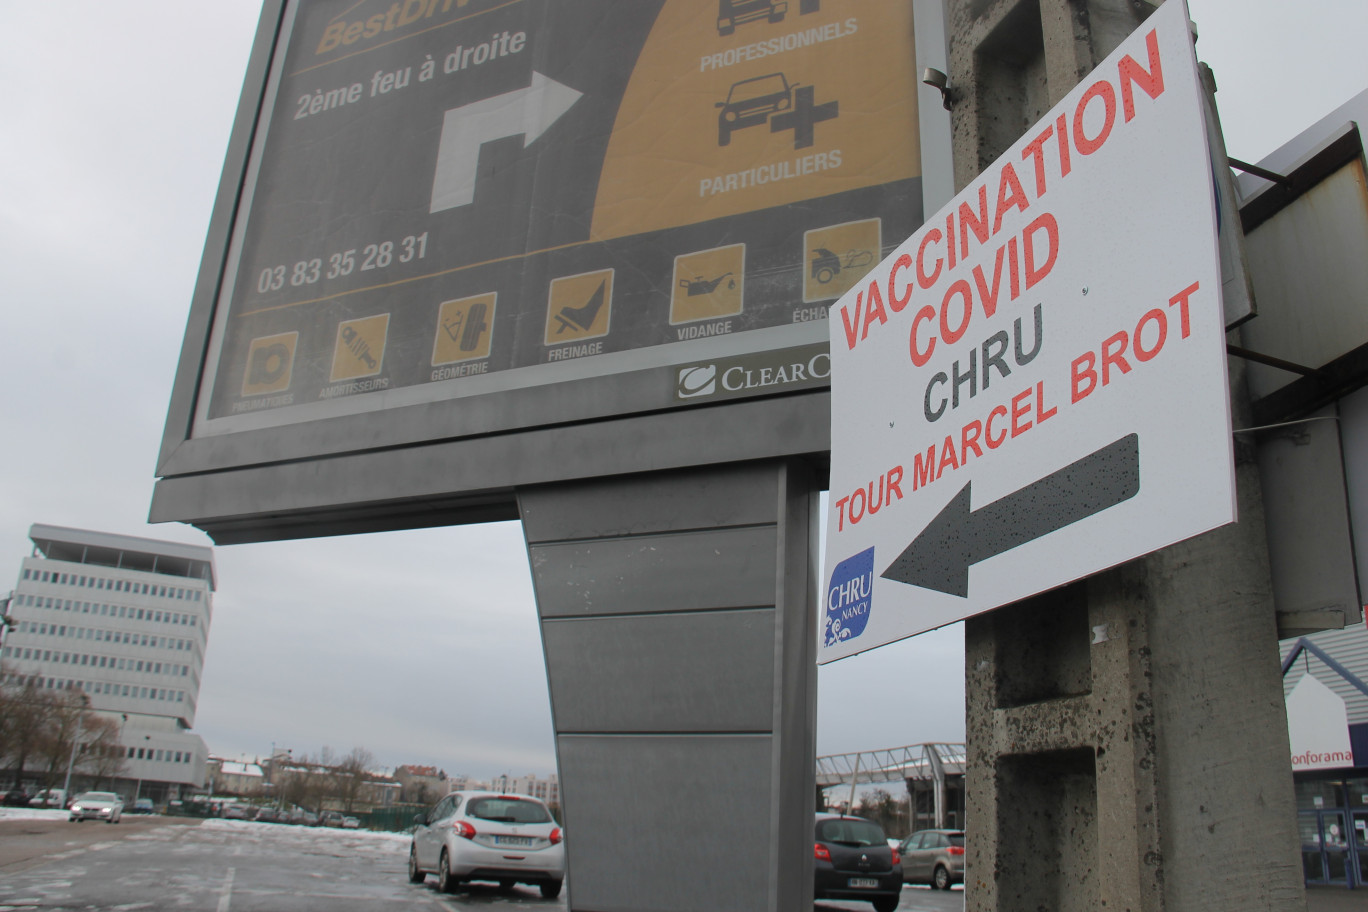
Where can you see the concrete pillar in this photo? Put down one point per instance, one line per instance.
(1126, 736)
(678, 620)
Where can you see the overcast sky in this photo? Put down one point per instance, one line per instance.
(113, 122)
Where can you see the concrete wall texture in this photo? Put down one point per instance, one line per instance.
(1126, 735)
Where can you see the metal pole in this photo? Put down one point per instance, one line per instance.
(850, 805)
(123, 751)
(66, 786)
(6, 622)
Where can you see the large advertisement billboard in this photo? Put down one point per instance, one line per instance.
(466, 220)
(450, 198)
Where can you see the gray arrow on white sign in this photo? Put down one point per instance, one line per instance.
(940, 556)
(528, 111)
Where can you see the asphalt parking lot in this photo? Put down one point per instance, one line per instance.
(159, 863)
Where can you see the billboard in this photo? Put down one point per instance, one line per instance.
(1032, 387)
(483, 209)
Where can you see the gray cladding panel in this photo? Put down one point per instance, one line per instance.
(1302, 474)
(659, 502)
(643, 804)
(711, 672)
(718, 568)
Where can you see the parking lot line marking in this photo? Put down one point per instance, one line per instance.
(227, 892)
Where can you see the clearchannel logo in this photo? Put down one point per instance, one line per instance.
(698, 380)
(766, 372)
(850, 597)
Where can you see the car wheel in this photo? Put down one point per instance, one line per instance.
(550, 889)
(885, 903)
(940, 878)
(414, 874)
(445, 882)
(824, 275)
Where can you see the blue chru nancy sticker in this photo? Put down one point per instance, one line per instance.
(848, 598)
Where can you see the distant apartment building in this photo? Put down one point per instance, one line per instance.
(124, 620)
(547, 790)
(421, 784)
(235, 777)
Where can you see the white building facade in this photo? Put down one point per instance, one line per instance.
(547, 790)
(126, 621)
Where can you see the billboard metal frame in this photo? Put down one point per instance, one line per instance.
(452, 460)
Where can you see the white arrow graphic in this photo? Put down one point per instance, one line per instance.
(527, 111)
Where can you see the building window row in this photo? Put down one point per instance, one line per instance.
(124, 637)
(158, 756)
(107, 610)
(132, 691)
(117, 585)
(24, 653)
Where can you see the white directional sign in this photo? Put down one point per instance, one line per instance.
(1032, 387)
(465, 129)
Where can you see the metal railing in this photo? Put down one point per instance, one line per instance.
(914, 761)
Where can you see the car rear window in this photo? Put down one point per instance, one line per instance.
(850, 831)
(507, 810)
(957, 839)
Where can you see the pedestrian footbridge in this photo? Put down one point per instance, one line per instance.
(933, 774)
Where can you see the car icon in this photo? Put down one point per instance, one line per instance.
(731, 13)
(750, 102)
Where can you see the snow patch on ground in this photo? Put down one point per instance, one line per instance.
(250, 829)
(8, 813)
(376, 841)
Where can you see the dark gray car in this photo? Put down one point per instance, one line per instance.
(853, 861)
(934, 857)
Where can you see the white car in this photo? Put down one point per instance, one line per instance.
(509, 839)
(49, 798)
(105, 806)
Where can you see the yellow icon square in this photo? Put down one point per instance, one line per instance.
(465, 329)
(360, 348)
(578, 307)
(708, 284)
(839, 256)
(270, 364)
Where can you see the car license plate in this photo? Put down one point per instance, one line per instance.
(521, 841)
(864, 883)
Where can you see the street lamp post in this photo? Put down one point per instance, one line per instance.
(6, 622)
(75, 742)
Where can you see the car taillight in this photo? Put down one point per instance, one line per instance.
(556, 836)
(464, 829)
(955, 850)
(821, 852)
(897, 859)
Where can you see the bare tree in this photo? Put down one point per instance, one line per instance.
(100, 755)
(65, 717)
(41, 725)
(880, 806)
(351, 775)
(23, 713)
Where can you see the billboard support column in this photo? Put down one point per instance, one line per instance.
(1124, 733)
(677, 619)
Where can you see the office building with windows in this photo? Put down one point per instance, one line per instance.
(125, 621)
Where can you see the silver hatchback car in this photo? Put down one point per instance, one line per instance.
(508, 839)
(934, 857)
